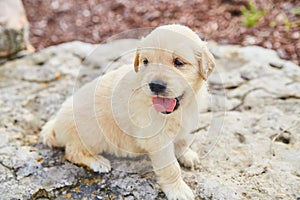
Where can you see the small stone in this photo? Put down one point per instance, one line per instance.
(296, 35)
(86, 13)
(54, 5)
(249, 40)
(276, 65)
(129, 198)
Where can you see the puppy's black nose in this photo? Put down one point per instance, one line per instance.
(157, 86)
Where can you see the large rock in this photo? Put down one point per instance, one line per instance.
(14, 29)
(248, 140)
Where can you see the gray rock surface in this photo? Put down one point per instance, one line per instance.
(14, 29)
(248, 140)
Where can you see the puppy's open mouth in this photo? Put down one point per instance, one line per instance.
(166, 105)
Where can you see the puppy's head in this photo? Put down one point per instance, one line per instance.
(172, 62)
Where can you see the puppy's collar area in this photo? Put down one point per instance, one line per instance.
(166, 105)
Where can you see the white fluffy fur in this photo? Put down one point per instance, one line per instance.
(114, 113)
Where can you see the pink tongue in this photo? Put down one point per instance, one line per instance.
(164, 104)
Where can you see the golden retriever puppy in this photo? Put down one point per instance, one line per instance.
(149, 107)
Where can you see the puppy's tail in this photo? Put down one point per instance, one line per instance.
(48, 134)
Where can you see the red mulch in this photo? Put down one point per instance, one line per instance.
(56, 21)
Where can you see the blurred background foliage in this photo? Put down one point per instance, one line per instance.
(273, 24)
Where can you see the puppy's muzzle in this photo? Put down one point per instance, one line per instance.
(157, 87)
(162, 104)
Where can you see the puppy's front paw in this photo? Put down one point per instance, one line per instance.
(178, 191)
(100, 164)
(190, 159)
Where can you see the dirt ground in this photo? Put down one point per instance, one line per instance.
(56, 21)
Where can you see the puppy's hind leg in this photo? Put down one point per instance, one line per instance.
(76, 153)
(190, 159)
(49, 136)
(186, 156)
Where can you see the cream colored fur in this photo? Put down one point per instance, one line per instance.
(114, 113)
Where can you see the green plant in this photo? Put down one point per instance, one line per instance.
(251, 15)
(287, 23)
(296, 11)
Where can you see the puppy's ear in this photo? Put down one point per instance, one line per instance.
(136, 62)
(206, 62)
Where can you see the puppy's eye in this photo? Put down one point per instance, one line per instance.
(178, 63)
(145, 61)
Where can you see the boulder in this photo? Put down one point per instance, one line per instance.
(248, 139)
(14, 29)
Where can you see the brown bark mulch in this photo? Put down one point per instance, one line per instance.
(56, 21)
